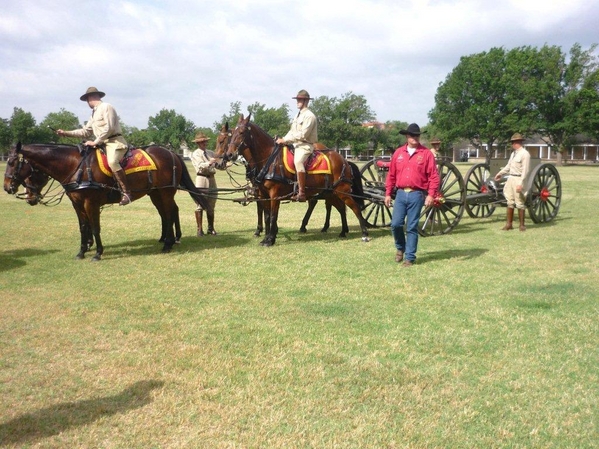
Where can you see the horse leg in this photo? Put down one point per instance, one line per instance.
(351, 203)
(340, 206)
(177, 221)
(165, 206)
(92, 212)
(260, 212)
(271, 224)
(311, 205)
(327, 220)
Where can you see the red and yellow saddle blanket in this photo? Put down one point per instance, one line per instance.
(317, 164)
(133, 161)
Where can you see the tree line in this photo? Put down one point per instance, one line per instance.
(485, 99)
(340, 123)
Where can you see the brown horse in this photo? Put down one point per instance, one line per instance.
(77, 170)
(274, 183)
(222, 142)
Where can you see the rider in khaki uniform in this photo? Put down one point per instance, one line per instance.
(302, 135)
(105, 127)
(518, 169)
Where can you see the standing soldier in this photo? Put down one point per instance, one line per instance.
(205, 170)
(518, 169)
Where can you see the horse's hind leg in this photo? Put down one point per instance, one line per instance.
(165, 206)
(177, 221)
(311, 205)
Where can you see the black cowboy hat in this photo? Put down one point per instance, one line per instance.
(302, 95)
(89, 91)
(413, 129)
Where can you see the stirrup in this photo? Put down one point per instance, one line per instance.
(125, 199)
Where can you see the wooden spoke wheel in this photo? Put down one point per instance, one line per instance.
(374, 175)
(448, 208)
(545, 193)
(476, 186)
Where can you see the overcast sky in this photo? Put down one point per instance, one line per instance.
(197, 57)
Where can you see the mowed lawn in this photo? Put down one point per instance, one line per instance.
(490, 340)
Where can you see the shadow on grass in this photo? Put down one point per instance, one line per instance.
(53, 420)
(463, 254)
(9, 260)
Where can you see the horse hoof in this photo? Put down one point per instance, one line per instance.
(96, 258)
(302, 230)
(365, 239)
(80, 256)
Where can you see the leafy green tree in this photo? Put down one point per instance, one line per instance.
(588, 115)
(5, 136)
(275, 121)
(232, 117)
(170, 129)
(560, 106)
(471, 103)
(340, 121)
(58, 120)
(135, 136)
(22, 126)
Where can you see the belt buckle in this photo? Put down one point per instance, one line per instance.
(408, 190)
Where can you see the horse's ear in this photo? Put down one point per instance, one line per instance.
(249, 116)
(226, 126)
(18, 148)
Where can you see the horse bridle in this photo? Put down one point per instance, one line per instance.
(18, 179)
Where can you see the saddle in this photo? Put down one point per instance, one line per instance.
(318, 163)
(135, 160)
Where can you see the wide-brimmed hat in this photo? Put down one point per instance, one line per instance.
(89, 91)
(435, 140)
(413, 129)
(201, 137)
(517, 138)
(302, 95)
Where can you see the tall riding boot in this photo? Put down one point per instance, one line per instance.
(510, 218)
(521, 213)
(121, 179)
(301, 187)
(211, 230)
(199, 222)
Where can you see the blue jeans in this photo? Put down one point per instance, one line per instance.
(406, 209)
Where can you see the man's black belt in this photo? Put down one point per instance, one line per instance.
(206, 176)
(114, 135)
(516, 175)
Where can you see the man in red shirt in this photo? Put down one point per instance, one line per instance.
(413, 172)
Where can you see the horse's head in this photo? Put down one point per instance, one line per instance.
(20, 172)
(222, 142)
(239, 138)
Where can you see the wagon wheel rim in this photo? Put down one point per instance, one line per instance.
(476, 183)
(448, 207)
(545, 194)
(374, 211)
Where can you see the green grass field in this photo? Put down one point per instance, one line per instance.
(491, 340)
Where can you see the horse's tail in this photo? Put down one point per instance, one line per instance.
(356, 184)
(188, 184)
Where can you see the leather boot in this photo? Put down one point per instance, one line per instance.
(199, 222)
(211, 230)
(121, 179)
(510, 218)
(521, 213)
(301, 188)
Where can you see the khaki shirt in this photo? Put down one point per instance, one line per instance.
(518, 165)
(103, 124)
(304, 129)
